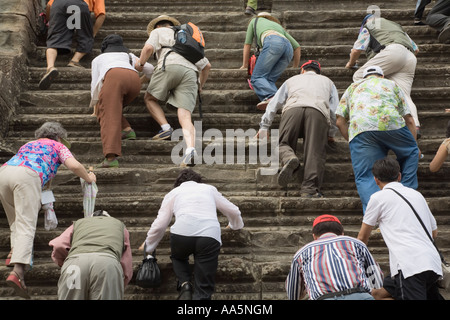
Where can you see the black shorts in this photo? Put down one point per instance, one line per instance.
(422, 286)
(63, 25)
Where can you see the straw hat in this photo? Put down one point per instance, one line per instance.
(163, 17)
(267, 15)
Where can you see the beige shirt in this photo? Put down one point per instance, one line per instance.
(165, 37)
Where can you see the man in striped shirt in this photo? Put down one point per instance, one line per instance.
(333, 266)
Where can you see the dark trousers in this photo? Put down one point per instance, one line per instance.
(422, 286)
(439, 16)
(309, 124)
(206, 257)
(420, 8)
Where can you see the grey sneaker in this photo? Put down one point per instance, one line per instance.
(287, 171)
(163, 134)
(188, 160)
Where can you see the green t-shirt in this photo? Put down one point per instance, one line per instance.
(264, 25)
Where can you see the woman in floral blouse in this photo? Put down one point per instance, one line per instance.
(21, 181)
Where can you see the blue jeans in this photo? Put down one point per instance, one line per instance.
(275, 56)
(369, 146)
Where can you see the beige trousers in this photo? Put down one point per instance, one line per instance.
(20, 195)
(91, 276)
(399, 65)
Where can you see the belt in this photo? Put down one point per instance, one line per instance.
(342, 293)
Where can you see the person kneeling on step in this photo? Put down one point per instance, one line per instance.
(308, 102)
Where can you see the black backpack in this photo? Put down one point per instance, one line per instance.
(189, 43)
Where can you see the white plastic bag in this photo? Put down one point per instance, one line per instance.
(51, 222)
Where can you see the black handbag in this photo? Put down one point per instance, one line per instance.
(148, 274)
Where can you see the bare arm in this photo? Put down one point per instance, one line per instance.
(354, 56)
(341, 123)
(411, 125)
(79, 170)
(245, 56)
(146, 53)
(297, 55)
(98, 23)
(440, 157)
(204, 76)
(364, 233)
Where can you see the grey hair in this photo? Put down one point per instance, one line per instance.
(51, 130)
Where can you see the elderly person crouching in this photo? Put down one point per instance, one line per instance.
(115, 84)
(21, 181)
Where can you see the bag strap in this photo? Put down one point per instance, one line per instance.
(422, 224)
(255, 35)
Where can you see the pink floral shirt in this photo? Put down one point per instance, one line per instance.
(43, 156)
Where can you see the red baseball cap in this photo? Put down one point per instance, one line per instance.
(325, 218)
(313, 64)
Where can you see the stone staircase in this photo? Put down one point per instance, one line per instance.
(254, 262)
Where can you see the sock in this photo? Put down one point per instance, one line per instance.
(165, 126)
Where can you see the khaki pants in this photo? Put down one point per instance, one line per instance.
(91, 276)
(399, 65)
(20, 194)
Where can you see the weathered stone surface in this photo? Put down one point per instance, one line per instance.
(254, 261)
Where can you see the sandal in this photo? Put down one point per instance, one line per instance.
(48, 78)
(74, 64)
(18, 285)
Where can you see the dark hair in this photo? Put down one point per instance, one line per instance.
(187, 175)
(386, 170)
(328, 226)
(447, 133)
(163, 23)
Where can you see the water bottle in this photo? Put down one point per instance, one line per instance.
(181, 36)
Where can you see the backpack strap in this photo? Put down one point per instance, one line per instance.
(255, 36)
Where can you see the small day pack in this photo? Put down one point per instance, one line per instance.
(189, 43)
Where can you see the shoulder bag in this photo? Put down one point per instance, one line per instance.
(148, 274)
(443, 283)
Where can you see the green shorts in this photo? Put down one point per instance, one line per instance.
(177, 86)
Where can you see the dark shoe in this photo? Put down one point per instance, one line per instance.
(163, 134)
(444, 36)
(287, 171)
(419, 23)
(188, 160)
(263, 104)
(109, 163)
(312, 195)
(18, 285)
(250, 11)
(185, 291)
(129, 135)
(48, 78)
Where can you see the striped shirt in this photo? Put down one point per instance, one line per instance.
(332, 264)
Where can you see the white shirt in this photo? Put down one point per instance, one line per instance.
(194, 206)
(410, 249)
(106, 61)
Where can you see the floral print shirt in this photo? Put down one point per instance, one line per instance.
(43, 156)
(373, 104)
